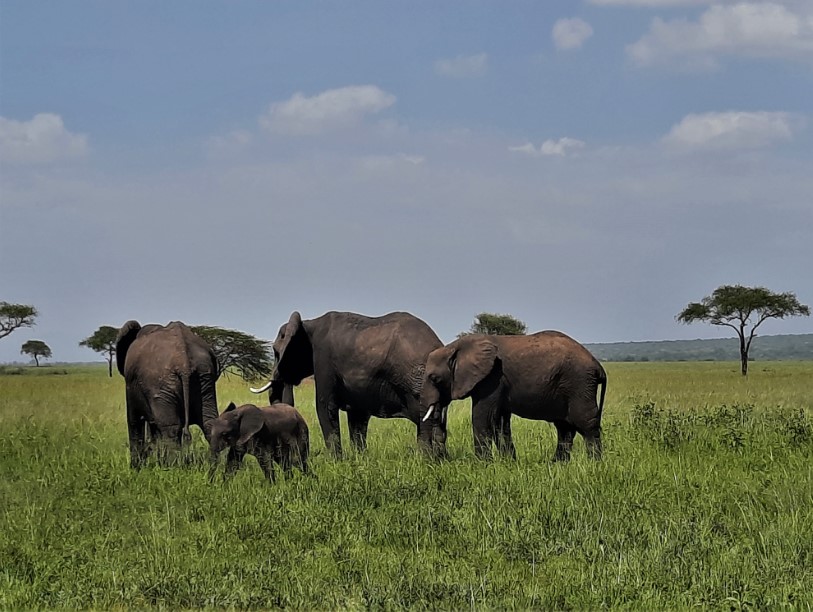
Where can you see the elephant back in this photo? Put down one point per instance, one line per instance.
(127, 334)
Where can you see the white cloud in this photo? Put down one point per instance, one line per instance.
(330, 109)
(649, 3)
(527, 148)
(463, 66)
(571, 33)
(768, 30)
(678, 3)
(560, 147)
(731, 130)
(229, 144)
(42, 139)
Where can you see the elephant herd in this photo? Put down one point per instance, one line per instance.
(388, 366)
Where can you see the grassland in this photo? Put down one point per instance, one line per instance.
(705, 498)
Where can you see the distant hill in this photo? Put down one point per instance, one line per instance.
(764, 348)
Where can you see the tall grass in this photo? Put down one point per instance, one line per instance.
(705, 497)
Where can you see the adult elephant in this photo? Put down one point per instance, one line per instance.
(367, 366)
(170, 376)
(544, 376)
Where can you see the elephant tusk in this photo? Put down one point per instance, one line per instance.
(263, 388)
(444, 414)
(428, 413)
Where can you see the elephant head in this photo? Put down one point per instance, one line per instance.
(234, 428)
(293, 352)
(293, 356)
(127, 333)
(453, 371)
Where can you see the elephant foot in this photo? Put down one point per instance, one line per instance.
(336, 453)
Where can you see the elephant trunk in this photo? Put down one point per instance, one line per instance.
(213, 461)
(209, 412)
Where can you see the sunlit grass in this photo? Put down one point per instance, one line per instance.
(705, 497)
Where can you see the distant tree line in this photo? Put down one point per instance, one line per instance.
(741, 308)
(769, 348)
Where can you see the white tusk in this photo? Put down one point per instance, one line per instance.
(429, 413)
(261, 389)
(444, 413)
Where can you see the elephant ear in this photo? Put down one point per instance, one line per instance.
(470, 363)
(229, 408)
(251, 422)
(295, 351)
(127, 333)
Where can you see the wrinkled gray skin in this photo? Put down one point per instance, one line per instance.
(169, 375)
(545, 376)
(273, 434)
(367, 366)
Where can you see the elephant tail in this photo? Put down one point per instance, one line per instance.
(304, 445)
(603, 382)
(127, 334)
(185, 386)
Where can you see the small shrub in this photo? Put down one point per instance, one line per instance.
(797, 427)
(668, 427)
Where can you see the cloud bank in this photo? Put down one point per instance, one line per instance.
(731, 130)
(752, 29)
(42, 139)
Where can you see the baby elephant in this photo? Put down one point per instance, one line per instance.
(275, 433)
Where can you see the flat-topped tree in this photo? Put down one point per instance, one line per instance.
(490, 323)
(36, 349)
(248, 356)
(738, 307)
(103, 341)
(14, 316)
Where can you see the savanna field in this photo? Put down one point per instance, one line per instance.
(704, 498)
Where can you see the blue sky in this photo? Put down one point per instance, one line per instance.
(590, 166)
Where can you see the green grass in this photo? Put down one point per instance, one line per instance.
(705, 498)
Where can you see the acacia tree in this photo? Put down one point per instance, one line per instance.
(738, 307)
(36, 349)
(14, 316)
(103, 341)
(497, 324)
(250, 357)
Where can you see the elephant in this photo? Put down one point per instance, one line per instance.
(275, 433)
(170, 375)
(366, 366)
(544, 376)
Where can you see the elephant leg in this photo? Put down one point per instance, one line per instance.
(136, 430)
(565, 433)
(265, 458)
(357, 422)
(586, 419)
(233, 462)
(505, 442)
(484, 428)
(169, 444)
(286, 450)
(302, 460)
(327, 410)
